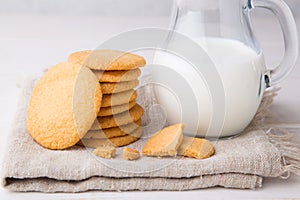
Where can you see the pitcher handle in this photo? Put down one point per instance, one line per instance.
(289, 30)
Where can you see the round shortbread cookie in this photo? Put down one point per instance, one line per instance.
(132, 115)
(96, 126)
(120, 98)
(113, 132)
(110, 88)
(63, 106)
(107, 60)
(107, 111)
(117, 76)
(116, 141)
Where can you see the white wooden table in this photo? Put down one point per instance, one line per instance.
(31, 43)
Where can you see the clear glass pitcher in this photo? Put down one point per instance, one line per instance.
(223, 29)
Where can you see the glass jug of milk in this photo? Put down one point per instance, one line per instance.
(223, 32)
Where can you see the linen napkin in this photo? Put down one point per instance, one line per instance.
(239, 162)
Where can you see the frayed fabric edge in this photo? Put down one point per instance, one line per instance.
(289, 146)
(287, 143)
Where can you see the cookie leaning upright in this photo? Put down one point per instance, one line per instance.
(63, 106)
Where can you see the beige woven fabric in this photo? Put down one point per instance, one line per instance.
(240, 162)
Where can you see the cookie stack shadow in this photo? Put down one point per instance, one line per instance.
(119, 117)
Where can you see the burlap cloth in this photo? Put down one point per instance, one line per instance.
(240, 162)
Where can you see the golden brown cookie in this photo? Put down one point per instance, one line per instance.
(107, 60)
(63, 106)
(116, 141)
(105, 151)
(130, 154)
(110, 88)
(118, 98)
(125, 127)
(113, 132)
(117, 76)
(196, 148)
(106, 111)
(132, 115)
(164, 142)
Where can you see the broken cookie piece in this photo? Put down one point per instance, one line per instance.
(164, 142)
(196, 148)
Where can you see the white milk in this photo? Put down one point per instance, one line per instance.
(241, 71)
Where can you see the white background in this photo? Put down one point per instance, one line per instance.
(99, 7)
(35, 34)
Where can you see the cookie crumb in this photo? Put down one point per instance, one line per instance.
(131, 154)
(105, 151)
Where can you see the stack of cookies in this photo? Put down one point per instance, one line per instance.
(119, 118)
